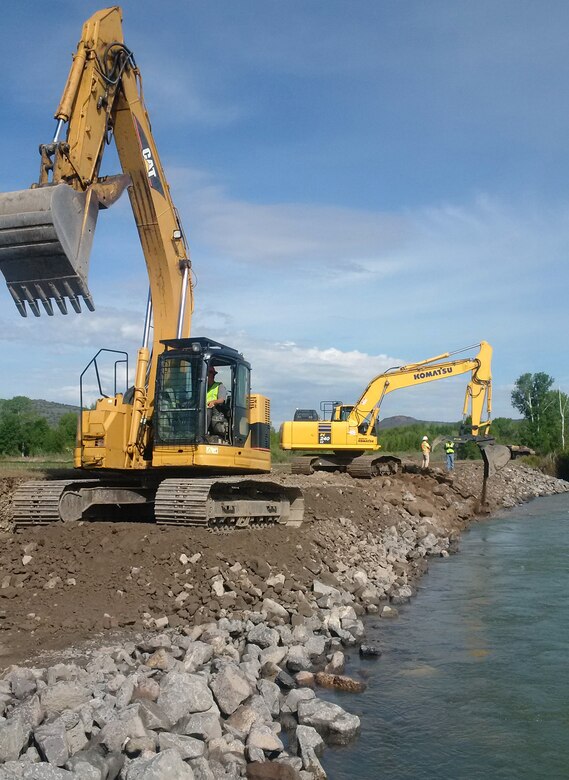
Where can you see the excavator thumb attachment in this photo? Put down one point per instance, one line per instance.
(46, 234)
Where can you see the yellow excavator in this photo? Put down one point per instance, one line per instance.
(343, 439)
(167, 446)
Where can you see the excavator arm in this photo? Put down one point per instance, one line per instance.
(478, 397)
(46, 232)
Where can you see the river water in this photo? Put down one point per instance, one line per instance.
(474, 677)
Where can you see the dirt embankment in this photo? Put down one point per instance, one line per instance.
(61, 585)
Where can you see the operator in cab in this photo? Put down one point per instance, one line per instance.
(216, 391)
(216, 395)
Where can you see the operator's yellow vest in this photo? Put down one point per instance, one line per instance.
(449, 448)
(212, 392)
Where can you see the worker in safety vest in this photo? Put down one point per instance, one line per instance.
(449, 449)
(426, 451)
(216, 394)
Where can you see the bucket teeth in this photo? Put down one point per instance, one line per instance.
(31, 301)
(44, 299)
(59, 300)
(73, 299)
(19, 304)
(47, 293)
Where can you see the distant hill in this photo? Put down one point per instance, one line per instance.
(397, 421)
(401, 421)
(53, 411)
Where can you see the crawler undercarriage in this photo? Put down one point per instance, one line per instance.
(222, 502)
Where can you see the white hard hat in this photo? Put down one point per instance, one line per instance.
(425, 438)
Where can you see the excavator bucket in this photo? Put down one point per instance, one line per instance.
(46, 234)
(495, 457)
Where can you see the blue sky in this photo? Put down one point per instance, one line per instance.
(363, 184)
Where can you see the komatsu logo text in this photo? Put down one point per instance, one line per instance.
(432, 373)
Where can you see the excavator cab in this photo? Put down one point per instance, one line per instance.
(181, 414)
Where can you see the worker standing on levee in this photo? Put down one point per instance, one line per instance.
(426, 451)
(449, 449)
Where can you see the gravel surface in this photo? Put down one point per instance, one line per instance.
(61, 585)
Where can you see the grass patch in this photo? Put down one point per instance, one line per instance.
(36, 463)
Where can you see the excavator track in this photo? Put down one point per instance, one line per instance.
(227, 502)
(303, 464)
(38, 502)
(360, 467)
(368, 466)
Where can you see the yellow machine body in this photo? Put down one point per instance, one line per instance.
(353, 428)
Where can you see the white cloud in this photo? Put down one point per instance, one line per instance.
(319, 297)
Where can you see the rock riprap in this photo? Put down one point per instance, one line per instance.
(211, 655)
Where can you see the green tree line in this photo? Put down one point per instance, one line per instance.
(24, 432)
(408, 438)
(545, 410)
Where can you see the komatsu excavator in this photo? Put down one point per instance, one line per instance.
(161, 445)
(341, 440)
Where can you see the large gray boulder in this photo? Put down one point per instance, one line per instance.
(166, 765)
(128, 725)
(330, 720)
(201, 769)
(274, 611)
(262, 737)
(202, 725)
(294, 697)
(228, 752)
(96, 764)
(316, 646)
(30, 712)
(187, 747)
(182, 694)
(64, 696)
(153, 716)
(310, 746)
(197, 654)
(52, 742)
(230, 687)
(14, 735)
(46, 772)
(273, 654)
(263, 636)
(271, 693)
(298, 659)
